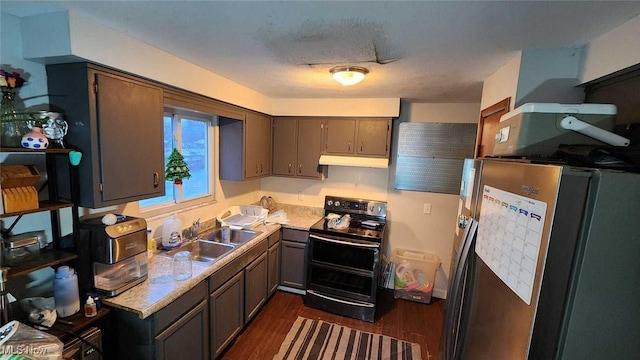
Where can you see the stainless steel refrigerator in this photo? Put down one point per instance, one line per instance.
(548, 266)
(462, 261)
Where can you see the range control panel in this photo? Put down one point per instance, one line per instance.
(355, 206)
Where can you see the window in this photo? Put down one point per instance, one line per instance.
(190, 133)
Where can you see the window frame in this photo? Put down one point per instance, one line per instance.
(177, 114)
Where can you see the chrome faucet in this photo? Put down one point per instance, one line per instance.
(194, 227)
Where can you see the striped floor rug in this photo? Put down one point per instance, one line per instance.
(315, 339)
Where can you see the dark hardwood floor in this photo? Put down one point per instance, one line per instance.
(406, 320)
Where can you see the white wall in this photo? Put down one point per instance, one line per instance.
(537, 75)
(383, 107)
(408, 227)
(366, 183)
(502, 84)
(35, 89)
(549, 75)
(35, 93)
(613, 51)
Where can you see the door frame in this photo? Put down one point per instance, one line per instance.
(501, 106)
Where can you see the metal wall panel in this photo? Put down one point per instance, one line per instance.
(431, 156)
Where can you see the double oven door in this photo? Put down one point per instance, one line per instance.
(342, 267)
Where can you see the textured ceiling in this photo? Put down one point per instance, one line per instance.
(427, 51)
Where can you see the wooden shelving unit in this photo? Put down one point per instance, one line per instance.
(64, 328)
(52, 255)
(75, 323)
(23, 150)
(43, 206)
(46, 258)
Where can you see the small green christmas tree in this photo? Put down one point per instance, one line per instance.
(176, 169)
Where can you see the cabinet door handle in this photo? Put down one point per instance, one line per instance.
(156, 179)
(349, 146)
(261, 170)
(361, 143)
(289, 168)
(299, 168)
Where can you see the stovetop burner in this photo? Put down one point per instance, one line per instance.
(368, 218)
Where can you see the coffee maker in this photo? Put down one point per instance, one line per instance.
(112, 258)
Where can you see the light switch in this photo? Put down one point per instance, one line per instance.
(426, 209)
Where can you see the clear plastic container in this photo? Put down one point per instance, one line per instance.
(114, 276)
(415, 275)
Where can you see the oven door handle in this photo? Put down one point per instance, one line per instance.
(340, 300)
(344, 242)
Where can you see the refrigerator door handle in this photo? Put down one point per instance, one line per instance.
(453, 293)
(456, 280)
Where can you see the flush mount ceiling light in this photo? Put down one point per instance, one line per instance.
(348, 75)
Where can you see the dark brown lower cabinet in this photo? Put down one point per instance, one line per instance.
(293, 262)
(238, 291)
(273, 274)
(255, 287)
(227, 313)
(203, 322)
(192, 329)
(178, 331)
(293, 271)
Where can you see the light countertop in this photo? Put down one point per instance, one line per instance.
(159, 290)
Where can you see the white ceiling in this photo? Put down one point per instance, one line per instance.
(430, 51)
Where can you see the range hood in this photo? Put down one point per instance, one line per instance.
(380, 163)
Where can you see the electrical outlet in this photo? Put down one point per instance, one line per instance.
(426, 209)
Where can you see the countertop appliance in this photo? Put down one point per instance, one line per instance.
(112, 258)
(535, 130)
(550, 253)
(344, 261)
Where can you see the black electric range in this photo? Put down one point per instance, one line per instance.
(344, 261)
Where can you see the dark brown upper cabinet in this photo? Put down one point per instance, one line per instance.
(357, 136)
(340, 136)
(245, 147)
(115, 120)
(297, 143)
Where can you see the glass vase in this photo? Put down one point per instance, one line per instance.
(13, 124)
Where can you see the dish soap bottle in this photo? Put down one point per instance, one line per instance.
(171, 233)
